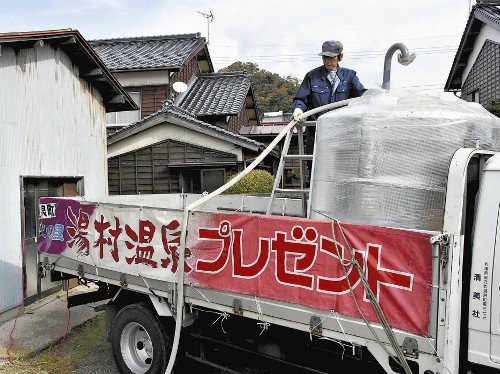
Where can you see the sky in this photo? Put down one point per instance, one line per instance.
(283, 37)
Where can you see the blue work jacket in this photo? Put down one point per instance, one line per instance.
(316, 89)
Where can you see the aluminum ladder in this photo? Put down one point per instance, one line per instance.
(304, 190)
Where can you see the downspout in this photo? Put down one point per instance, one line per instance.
(404, 58)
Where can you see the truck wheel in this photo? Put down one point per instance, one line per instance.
(139, 341)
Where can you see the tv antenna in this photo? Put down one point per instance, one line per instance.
(210, 17)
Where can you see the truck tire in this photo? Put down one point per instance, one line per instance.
(140, 342)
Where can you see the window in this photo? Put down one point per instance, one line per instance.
(474, 96)
(130, 116)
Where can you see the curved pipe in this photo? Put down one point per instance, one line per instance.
(404, 58)
(182, 247)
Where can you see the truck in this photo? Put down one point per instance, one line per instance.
(414, 290)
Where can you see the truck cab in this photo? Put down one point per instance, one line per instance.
(484, 293)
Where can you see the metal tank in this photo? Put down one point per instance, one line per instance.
(384, 158)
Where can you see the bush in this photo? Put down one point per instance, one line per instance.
(257, 181)
(494, 107)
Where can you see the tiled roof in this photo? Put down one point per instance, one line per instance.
(181, 117)
(148, 53)
(217, 94)
(91, 67)
(483, 12)
(489, 11)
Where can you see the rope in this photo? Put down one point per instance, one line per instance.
(264, 325)
(438, 356)
(221, 315)
(344, 263)
(11, 334)
(378, 310)
(66, 330)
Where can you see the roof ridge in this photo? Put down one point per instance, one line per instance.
(37, 32)
(196, 35)
(225, 73)
(169, 107)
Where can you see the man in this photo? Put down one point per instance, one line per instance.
(325, 84)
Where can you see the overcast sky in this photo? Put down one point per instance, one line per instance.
(283, 37)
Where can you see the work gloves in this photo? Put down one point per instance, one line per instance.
(296, 114)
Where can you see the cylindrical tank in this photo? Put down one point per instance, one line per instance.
(384, 159)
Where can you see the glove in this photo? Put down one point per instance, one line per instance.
(296, 114)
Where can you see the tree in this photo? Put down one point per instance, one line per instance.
(272, 92)
(494, 107)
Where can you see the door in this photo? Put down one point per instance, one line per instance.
(33, 189)
(495, 299)
(211, 179)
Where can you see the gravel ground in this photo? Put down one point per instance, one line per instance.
(84, 351)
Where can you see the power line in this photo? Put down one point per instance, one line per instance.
(307, 57)
(345, 43)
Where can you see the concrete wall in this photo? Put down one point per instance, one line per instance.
(53, 125)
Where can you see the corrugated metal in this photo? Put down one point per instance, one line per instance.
(83, 56)
(52, 125)
(10, 233)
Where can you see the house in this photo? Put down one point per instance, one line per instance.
(53, 103)
(476, 68)
(187, 130)
(221, 99)
(148, 66)
(171, 151)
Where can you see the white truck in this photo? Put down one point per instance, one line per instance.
(345, 280)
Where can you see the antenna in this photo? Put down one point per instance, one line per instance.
(210, 17)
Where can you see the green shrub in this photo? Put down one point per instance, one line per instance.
(257, 181)
(494, 107)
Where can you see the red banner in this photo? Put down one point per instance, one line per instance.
(308, 262)
(294, 260)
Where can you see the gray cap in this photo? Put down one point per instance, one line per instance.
(331, 48)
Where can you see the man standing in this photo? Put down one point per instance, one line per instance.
(325, 84)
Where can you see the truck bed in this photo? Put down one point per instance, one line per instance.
(275, 269)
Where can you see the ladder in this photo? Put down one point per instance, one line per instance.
(304, 190)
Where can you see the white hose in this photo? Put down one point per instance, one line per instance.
(189, 208)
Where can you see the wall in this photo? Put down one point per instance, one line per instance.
(236, 122)
(187, 71)
(52, 125)
(487, 32)
(142, 78)
(484, 77)
(165, 131)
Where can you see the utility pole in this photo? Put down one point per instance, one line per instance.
(210, 17)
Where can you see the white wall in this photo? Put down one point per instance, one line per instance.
(142, 78)
(487, 33)
(52, 126)
(168, 131)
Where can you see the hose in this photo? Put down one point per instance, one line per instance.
(404, 58)
(182, 246)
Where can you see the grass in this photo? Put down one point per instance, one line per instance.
(65, 358)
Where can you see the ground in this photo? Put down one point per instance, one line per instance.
(84, 351)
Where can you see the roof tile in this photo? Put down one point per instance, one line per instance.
(143, 53)
(217, 94)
